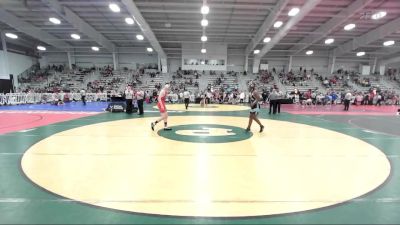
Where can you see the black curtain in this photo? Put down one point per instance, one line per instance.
(6, 86)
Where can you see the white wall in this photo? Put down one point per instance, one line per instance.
(320, 64)
(174, 64)
(214, 51)
(3, 64)
(53, 58)
(131, 61)
(393, 65)
(346, 65)
(278, 64)
(89, 61)
(235, 60)
(236, 63)
(16, 65)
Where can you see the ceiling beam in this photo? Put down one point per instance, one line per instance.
(144, 27)
(195, 12)
(307, 7)
(30, 30)
(367, 38)
(266, 25)
(80, 24)
(198, 4)
(331, 24)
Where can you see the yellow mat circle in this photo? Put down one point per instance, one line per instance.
(124, 165)
(209, 108)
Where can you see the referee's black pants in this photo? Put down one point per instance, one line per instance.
(186, 103)
(140, 106)
(129, 106)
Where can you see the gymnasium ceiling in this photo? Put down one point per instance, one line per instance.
(234, 22)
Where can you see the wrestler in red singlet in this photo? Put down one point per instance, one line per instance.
(161, 102)
(163, 109)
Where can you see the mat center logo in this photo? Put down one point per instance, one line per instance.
(206, 133)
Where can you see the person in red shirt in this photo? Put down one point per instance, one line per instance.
(162, 108)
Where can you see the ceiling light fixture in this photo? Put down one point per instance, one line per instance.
(204, 22)
(139, 37)
(114, 7)
(129, 21)
(349, 26)
(360, 53)
(204, 38)
(256, 51)
(55, 20)
(75, 36)
(329, 41)
(205, 10)
(267, 39)
(41, 48)
(149, 49)
(293, 11)
(388, 43)
(309, 52)
(11, 35)
(96, 49)
(378, 15)
(278, 24)
(203, 50)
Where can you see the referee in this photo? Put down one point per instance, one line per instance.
(186, 96)
(83, 96)
(139, 98)
(129, 99)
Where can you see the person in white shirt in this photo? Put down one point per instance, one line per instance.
(180, 97)
(242, 95)
(186, 96)
(347, 99)
(140, 98)
(83, 96)
(129, 99)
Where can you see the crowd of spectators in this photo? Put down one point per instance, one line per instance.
(35, 75)
(336, 81)
(107, 71)
(371, 97)
(225, 93)
(264, 77)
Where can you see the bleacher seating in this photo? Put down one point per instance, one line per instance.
(106, 80)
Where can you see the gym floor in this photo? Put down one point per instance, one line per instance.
(73, 165)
